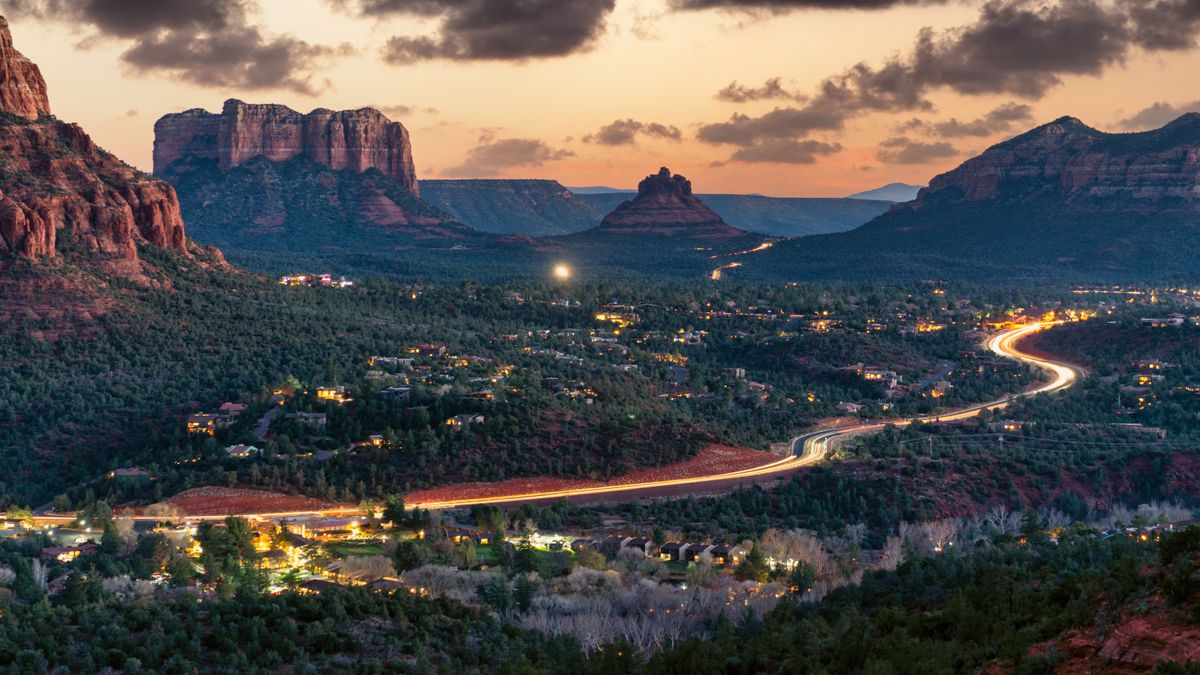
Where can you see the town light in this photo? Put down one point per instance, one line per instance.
(562, 272)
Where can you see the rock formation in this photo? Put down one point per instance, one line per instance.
(1084, 169)
(353, 140)
(665, 206)
(22, 89)
(60, 192)
(1061, 201)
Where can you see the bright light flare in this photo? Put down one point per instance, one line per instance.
(562, 272)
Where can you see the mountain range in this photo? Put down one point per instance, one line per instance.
(892, 192)
(1062, 200)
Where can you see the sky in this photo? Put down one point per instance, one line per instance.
(778, 97)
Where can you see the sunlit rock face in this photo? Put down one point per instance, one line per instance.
(353, 140)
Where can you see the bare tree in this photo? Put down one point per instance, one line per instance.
(367, 568)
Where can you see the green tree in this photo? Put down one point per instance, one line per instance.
(754, 566)
(411, 554)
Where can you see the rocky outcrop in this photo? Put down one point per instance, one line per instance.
(665, 206)
(352, 140)
(60, 194)
(1083, 169)
(22, 88)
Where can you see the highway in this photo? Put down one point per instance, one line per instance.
(807, 449)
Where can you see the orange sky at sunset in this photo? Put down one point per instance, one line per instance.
(650, 61)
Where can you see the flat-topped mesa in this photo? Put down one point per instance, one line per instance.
(352, 140)
(665, 205)
(22, 88)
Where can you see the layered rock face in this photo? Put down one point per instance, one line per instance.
(60, 193)
(665, 205)
(22, 88)
(352, 140)
(1084, 169)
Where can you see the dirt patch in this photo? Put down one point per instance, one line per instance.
(712, 459)
(215, 501)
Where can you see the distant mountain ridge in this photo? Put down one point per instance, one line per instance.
(892, 192)
(533, 207)
(1062, 199)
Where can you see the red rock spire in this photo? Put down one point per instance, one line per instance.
(22, 88)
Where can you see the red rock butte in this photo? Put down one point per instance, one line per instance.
(58, 181)
(352, 140)
(665, 205)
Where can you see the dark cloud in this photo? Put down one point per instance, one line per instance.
(771, 89)
(491, 156)
(1015, 47)
(999, 120)
(788, 5)
(1165, 24)
(484, 30)
(785, 152)
(206, 42)
(902, 150)
(625, 132)
(1156, 115)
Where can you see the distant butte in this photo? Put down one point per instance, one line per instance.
(665, 206)
(352, 140)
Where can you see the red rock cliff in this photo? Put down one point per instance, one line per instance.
(22, 89)
(1082, 169)
(354, 140)
(60, 192)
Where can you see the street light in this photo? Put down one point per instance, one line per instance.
(562, 272)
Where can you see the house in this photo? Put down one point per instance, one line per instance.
(393, 361)
(336, 394)
(65, 554)
(735, 373)
(401, 393)
(127, 473)
(940, 388)
(724, 554)
(849, 408)
(232, 409)
(427, 349)
(202, 423)
(482, 395)
(308, 419)
(1006, 425)
(583, 544)
(1170, 320)
(887, 377)
(318, 586)
(242, 451)
(388, 584)
(673, 551)
(610, 546)
(458, 422)
(643, 546)
(695, 552)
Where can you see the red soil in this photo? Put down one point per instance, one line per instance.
(215, 501)
(710, 460)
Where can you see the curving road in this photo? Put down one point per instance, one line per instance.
(807, 449)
